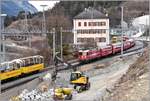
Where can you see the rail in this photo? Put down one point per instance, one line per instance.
(74, 64)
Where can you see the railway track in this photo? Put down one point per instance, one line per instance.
(75, 63)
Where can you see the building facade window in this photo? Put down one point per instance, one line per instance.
(85, 40)
(103, 24)
(89, 23)
(85, 23)
(102, 39)
(79, 24)
(96, 23)
(92, 31)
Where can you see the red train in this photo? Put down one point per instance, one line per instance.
(86, 55)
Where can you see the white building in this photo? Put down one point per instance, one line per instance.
(91, 26)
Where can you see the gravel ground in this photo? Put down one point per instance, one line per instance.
(100, 78)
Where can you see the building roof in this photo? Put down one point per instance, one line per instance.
(90, 13)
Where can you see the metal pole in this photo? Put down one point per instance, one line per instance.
(3, 40)
(26, 28)
(61, 43)
(0, 36)
(44, 20)
(0, 41)
(43, 23)
(54, 32)
(146, 30)
(121, 31)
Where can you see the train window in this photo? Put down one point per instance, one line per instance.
(80, 53)
(22, 63)
(88, 53)
(25, 62)
(18, 65)
(15, 66)
(4, 66)
(30, 61)
(42, 60)
(35, 60)
(84, 53)
(38, 60)
(10, 67)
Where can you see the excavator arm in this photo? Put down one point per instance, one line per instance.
(58, 60)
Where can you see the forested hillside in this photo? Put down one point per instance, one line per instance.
(62, 14)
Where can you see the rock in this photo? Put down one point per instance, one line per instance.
(100, 66)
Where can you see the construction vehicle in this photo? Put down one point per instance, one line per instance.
(80, 81)
(63, 93)
(77, 78)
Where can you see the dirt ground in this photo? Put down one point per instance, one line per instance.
(109, 71)
(134, 85)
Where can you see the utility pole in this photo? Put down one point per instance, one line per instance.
(54, 32)
(0, 35)
(61, 43)
(147, 34)
(44, 20)
(121, 31)
(43, 24)
(26, 28)
(0, 41)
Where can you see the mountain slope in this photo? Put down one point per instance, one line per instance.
(13, 7)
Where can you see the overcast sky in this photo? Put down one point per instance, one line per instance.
(37, 4)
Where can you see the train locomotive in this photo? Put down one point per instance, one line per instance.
(18, 67)
(103, 51)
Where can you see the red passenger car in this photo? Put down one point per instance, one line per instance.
(126, 45)
(103, 51)
(116, 47)
(106, 50)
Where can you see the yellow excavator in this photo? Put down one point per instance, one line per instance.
(77, 78)
(63, 93)
(80, 81)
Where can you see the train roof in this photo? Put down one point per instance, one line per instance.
(4, 63)
(118, 43)
(31, 57)
(130, 40)
(83, 50)
(104, 46)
